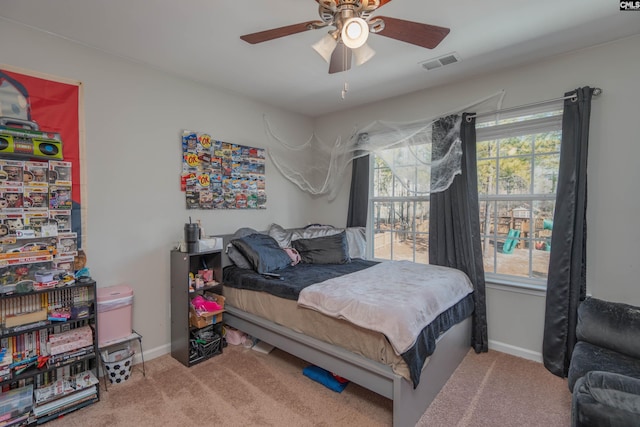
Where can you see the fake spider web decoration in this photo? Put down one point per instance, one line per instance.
(319, 168)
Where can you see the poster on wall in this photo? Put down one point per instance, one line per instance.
(53, 104)
(221, 175)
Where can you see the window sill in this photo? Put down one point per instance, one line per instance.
(521, 286)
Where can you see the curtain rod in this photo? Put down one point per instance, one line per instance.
(596, 91)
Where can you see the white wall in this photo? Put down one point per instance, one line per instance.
(134, 118)
(516, 318)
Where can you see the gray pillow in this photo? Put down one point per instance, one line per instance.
(262, 252)
(284, 236)
(238, 259)
(323, 250)
(319, 230)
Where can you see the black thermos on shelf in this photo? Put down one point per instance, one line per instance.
(191, 236)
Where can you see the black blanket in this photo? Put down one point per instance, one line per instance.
(292, 279)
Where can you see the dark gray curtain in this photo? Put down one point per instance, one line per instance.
(454, 219)
(566, 282)
(359, 195)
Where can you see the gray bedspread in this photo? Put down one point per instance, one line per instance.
(395, 298)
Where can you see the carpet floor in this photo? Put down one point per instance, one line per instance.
(242, 387)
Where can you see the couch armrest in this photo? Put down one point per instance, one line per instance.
(612, 325)
(604, 398)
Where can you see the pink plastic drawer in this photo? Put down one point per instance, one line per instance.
(115, 304)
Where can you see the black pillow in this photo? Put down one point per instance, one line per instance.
(262, 252)
(323, 250)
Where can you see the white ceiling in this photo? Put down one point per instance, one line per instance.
(199, 40)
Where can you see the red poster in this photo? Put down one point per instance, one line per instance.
(54, 106)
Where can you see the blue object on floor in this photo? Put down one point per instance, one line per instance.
(325, 378)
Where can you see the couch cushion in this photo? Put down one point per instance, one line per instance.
(613, 325)
(606, 399)
(618, 391)
(588, 357)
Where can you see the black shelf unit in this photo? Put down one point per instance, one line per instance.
(183, 263)
(47, 374)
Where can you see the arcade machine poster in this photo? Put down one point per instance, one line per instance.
(54, 106)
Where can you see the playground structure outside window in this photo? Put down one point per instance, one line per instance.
(518, 161)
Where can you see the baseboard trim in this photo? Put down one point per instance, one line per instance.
(515, 351)
(151, 353)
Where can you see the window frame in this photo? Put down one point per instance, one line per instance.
(550, 122)
(413, 200)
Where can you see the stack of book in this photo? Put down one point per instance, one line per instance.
(70, 341)
(68, 401)
(65, 393)
(70, 356)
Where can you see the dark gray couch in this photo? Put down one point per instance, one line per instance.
(604, 374)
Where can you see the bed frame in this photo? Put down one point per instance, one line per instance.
(409, 404)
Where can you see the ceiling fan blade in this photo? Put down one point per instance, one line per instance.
(424, 35)
(275, 33)
(340, 59)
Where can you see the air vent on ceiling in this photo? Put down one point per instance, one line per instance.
(432, 64)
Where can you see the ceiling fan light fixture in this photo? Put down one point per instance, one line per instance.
(325, 47)
(355, 33)
(363, 54)
(352, 23)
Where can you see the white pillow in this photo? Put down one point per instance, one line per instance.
(357, 241)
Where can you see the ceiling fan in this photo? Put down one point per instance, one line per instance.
(353, 23)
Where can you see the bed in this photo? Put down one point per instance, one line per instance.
(268, 309)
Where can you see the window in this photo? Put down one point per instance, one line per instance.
(518, 162)
(399, 205)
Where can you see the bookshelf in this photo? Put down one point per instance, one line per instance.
(49, 364)
(195, 339)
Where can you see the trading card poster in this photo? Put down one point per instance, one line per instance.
(221, 175)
